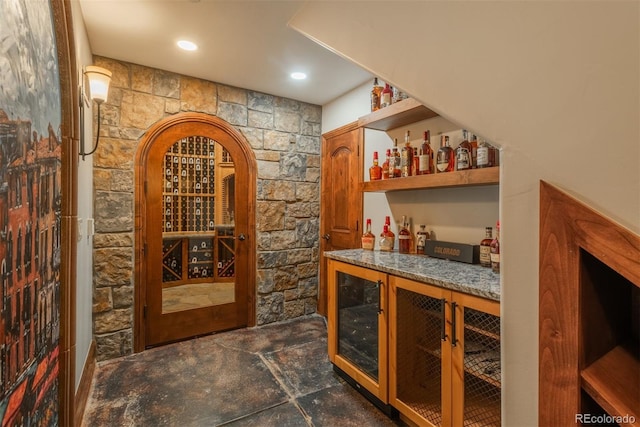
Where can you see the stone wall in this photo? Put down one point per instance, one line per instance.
(285, 136)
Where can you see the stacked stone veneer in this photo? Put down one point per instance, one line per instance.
(285, 137)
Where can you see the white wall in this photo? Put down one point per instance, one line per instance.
(84, 270)
(554, 83)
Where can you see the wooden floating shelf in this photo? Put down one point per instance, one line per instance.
(396, 115)
(467, 178)
(612, 381)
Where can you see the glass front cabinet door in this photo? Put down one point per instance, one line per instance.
(357, 328)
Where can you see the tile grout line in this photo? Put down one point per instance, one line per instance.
(292, 398)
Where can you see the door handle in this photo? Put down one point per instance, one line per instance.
(241, 236)
(326, 237)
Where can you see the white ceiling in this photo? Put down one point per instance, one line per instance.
(242, 43)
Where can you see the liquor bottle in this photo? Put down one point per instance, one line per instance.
(396, 95)
(404, 237)
(387, 222)
(385, 97)
(375, 171)
(396, 160)
(415, 162)
(474, 151)
(421, 239)
(485, 248)
(445, 160)
(368, 238)
(406, 158)
(463, 153)
(387, 239)
(495, 250)
(483, 155)
(426, 156)
(385, 165)
(376, 92)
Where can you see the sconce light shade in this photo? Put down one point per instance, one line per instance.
(99, 79)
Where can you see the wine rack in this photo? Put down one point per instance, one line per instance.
(197, 212)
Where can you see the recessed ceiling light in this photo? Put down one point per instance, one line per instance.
(298, 76)
(187, 45)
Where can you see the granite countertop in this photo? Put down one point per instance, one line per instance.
(468, 278)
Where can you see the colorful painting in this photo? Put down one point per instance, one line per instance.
(30, 214)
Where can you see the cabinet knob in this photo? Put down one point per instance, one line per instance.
(326, 237)
(241, 236)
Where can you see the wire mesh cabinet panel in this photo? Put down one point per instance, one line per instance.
(476, 358)
(444, 355)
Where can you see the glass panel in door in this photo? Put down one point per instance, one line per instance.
(358, 304)
(198, 246)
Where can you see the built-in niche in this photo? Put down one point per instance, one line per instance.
(589, 357)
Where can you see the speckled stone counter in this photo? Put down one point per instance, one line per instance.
(457, 276)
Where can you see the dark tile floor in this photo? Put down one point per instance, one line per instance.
(274, 375)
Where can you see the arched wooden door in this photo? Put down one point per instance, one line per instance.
(195, 239)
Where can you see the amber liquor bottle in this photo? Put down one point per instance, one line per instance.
(376, 93)
(387, 239)
(375, 171)
(385, 165)
(445, 161)
(495, 250)
(485, 248)
(404, 237)
(368, 238)
(463, 153)
(425, 163)
(395, 159)
(406, 158)
(415, 162)
(422, 236)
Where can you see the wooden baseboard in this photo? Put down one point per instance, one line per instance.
(82, 394)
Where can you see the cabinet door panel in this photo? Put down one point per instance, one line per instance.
(476, 360)
(420, 383)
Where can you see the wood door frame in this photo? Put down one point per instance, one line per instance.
(70, 127)
(140, 236)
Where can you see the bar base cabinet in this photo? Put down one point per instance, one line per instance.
(444, 355)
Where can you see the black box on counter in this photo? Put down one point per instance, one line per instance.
(453, 251)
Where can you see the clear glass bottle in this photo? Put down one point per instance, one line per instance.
(376, 93)
(422, 236)
(495, 250)
(482, 160)
(375, 171)
(485, 248)
(368, 238)
(445, 161)
(404, 237)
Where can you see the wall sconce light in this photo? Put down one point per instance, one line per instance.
(99, 79)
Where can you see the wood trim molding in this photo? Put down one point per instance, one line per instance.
(67, 68)
(566, 227)
(84, 388)
(140, 237)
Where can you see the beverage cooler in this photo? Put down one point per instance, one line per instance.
(357, 330)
